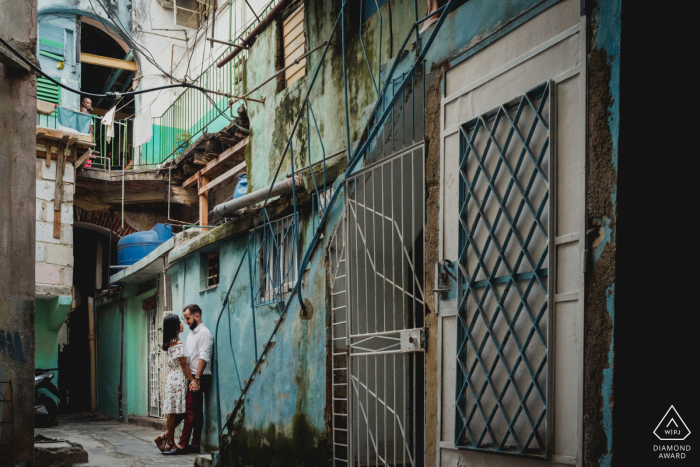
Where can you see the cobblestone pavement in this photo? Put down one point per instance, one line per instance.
(111, 443)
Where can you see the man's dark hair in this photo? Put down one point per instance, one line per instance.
(193, 309)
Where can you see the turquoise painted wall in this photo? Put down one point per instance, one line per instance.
(293, 379)
(136, 355)
(135, 376)
(108, 328)
(45, 342)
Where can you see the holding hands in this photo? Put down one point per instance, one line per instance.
(194, 385)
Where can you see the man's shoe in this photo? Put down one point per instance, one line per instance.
(175, 451)
(193, 449)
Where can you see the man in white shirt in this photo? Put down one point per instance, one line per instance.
(199, 346)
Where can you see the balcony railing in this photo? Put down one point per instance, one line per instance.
(107, 155)
(192, 113)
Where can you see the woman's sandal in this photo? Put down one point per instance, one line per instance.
(160, 442)
(167, 447)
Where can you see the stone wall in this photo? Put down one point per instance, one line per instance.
(54, 256)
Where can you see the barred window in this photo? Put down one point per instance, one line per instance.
(213, 269)
(209, 267)
(274, 262)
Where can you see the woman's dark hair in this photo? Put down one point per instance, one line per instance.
(171, 329)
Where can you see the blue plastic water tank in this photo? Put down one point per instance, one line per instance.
(241, 187)
(136, 246)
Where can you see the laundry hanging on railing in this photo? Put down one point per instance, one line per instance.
(108, 122)
(73, 121)
(143, 127)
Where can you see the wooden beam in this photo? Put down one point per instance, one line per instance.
(55, 135)
(203, 202)
(58, 191)
(178, 195)
(41, 153)
(216, 163)
(81, 160)
(192, 180)
(222, 178)
(108, 62)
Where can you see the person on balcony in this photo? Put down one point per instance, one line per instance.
(86, 107)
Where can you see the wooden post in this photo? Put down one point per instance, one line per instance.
(98, 267)
(203, 201)
(58, 192)
(91, 337)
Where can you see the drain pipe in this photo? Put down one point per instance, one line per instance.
(234, 207)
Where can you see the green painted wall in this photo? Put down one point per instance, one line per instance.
(45, 342)
(108, 350)
(135, 376)
(136, 355)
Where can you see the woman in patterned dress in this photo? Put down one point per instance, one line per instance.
(179, 377)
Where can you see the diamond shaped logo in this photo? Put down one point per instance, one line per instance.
(671, 427)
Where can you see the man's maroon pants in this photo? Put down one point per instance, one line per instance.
(194, 417)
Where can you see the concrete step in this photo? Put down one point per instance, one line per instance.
(149, 422)
(59, 454)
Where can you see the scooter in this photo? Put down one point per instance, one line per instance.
(45, 409)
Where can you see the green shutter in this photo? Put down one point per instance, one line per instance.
(48, 91)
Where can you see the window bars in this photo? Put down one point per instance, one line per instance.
(273, 252)
(385, 209)
(505, 223)
(154, 351)
(212, 269)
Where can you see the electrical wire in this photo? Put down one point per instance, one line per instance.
(128, 37)
(109, 95)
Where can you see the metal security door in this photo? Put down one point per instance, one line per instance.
(154, 337)
(503, 315)
(385, 212)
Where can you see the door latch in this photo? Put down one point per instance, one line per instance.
(411, 340)
(442, 278)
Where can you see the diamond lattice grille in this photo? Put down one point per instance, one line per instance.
(504, 218)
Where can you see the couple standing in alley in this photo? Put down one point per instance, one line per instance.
(189, 378)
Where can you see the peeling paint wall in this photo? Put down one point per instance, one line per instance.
(288, 396)
(603, 135)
